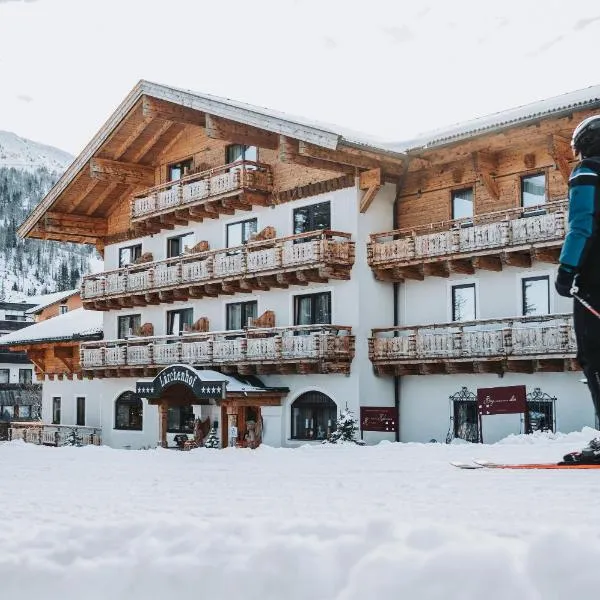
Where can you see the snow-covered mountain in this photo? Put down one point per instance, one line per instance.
(30, 267)
(20, 153)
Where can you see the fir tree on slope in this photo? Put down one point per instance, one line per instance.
(212, 440)
(346, 430)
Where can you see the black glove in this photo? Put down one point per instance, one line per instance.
(564, 280)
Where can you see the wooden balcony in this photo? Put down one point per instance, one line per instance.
(276, 350)
(520, 344)
(203, 195)
(278, 263)
(513, 237)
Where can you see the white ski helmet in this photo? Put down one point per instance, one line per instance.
(586, 137)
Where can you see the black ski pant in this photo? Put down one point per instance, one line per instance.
(587, 333)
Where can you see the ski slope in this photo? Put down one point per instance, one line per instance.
(317, 522)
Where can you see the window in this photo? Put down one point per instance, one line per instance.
(7, 413)
(176, 246)
(128, 255)
(14, 317)
(533, 190)
(24, 412)
(56, 411)
(179, 169)
(536, 295)
(62, 309)
(239, 233)
(463, 302)
(180, 419)
(129, 411)
(80, 417)
(128, 325)
(312, 309)
(179, 321)
(237, 152)
(314, 416)
(462, 204)
(312, 217)
(25, 375)
(4, 375)
(238, 314)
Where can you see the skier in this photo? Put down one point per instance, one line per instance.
(579, 271)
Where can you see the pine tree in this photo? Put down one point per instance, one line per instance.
(346, 430)
(212, 439)
(73, 439)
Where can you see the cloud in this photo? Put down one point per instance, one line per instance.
(1, 1)
(24, 97)
(583, 23)
(399, 34)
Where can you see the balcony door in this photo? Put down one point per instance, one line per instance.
(313, 309)
(177, 245)
(239, 152)
(237, 234)
(312, 217)
(179, 321)
(179, 169)
(239, 313)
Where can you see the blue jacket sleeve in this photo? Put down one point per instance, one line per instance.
(582, 209)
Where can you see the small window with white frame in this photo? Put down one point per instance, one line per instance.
(239, 233)
(129, 254)
(535, 295)
(464, 306)
(462, 204)
(533, 191)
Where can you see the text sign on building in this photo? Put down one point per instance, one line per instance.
(502, 400)
(179, 374)
(373, 418)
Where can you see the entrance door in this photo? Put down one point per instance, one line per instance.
(464, 416)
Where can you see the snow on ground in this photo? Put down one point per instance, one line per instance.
(318, 523)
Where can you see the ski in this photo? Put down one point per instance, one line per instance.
(466, 465)
(486, 464)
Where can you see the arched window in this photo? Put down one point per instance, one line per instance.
(129, 412)
(314, 416)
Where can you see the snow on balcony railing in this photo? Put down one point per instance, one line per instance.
(545, 335)
(316, 342)
(202, 186)
(57, 435)
(514, 227)
(308, 249)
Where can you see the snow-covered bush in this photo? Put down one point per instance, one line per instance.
(346, 430)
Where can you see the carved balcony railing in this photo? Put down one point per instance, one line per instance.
(521, 344)
(489, 241)
(287, 350)
(57, 435)
(296, 260)
(206, 194)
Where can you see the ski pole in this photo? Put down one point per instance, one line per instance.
(574, 289)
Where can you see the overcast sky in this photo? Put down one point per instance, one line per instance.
(389, 68)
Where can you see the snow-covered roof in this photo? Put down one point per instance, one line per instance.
(46, 300)
(556, 106)
(74, 325)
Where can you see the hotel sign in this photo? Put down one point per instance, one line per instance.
(502, 400)
(180, 374)
(373, 418)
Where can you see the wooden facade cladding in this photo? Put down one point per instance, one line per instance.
(58, 360)
(513, 237)
(276, 350)
(521, 344)
(261, 265)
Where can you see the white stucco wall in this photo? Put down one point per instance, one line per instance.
(14, 371)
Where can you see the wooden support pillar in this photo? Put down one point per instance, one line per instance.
(163, 409)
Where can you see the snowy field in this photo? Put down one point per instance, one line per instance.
(318, 523)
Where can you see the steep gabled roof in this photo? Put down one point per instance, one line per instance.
(325, 136)
(48, 300)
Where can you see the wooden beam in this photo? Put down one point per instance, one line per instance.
(364, 153)
(218, 128)
(81, 197)
(134, 135)
(167, 111)
(517, 259)
(343, 157)
(488, 263)
(370, 182)
(289, 153)
(485, 165)
(559, 149)
(121, 172)
(139, 155)
(76, 224)
(101, 197)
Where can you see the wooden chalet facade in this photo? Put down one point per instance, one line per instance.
(295, 256)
